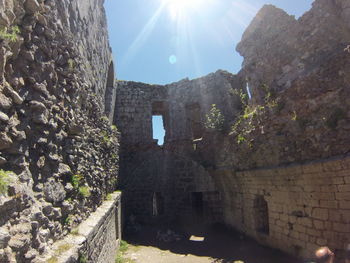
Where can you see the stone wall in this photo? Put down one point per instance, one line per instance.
(299, 75)
(298, 72)
(173, 172)
(96, 240)
(137, 102)
(59, 151)
(307, 206)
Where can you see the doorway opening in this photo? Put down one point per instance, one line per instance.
(197, 203)
(261, 215)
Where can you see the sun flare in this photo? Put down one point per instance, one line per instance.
(180, 7)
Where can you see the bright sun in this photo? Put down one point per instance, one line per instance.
(180, 7)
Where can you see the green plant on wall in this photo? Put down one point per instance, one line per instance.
(105, 138)
(77, 182)
(71, 64)
(10, 34)
(5, 180)
(214, 119)
(84, 191)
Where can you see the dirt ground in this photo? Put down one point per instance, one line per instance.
(219, 245)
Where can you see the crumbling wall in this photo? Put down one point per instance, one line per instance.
(60, 153)
(172, 171)
(299, 75)
(298, 72)
(271, 165)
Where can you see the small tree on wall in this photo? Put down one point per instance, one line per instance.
(214, 119)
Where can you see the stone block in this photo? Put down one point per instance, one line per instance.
(332, 166)
(329, 204)
(343, 196)
(314, 232)
(341, 227)
(320, 213)
(318, 224)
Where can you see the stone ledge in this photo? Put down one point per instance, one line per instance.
(68, 249)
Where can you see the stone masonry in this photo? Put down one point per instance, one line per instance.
(277, 168)
(308, 205)
(172, 171)
(58, 151)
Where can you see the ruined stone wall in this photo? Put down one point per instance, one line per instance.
(134, 102)
(298, 72)
(299, 75)
(60, 153)
(172, 171)
(133, 110)
(307, 205)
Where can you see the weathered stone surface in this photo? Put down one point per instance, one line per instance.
(47, 84)
(32, 6)
(54, 191)
(5, 141)
(5, 102)
(3, 117)
(298, 74)
(4, 238)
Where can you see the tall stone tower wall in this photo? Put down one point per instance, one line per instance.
(59, 154)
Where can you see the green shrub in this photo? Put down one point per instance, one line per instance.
(214, 119)
(83, 259)
(84, 191)
(76, 180)
(71, 64)
(68, 220)
(4, 181)
(240, 139)
(11, 34)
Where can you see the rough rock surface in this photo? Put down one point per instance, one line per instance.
(55, 60)
(298, 72)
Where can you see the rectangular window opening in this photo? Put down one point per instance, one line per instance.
(158, 129)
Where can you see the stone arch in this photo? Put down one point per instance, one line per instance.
(110, 92)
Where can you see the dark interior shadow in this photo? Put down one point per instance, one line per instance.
(220, 243)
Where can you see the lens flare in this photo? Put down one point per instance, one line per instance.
(179, 7)
(172, 59)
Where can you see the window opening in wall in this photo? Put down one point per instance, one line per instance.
(159, 121)
(197, 203)
(158, 129)
(157, 204)
(193, 112)
(261, 214)
(248, 91)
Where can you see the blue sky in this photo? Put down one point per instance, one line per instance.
(163, 41)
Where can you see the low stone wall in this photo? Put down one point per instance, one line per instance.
(96, 240)
(294, 208)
